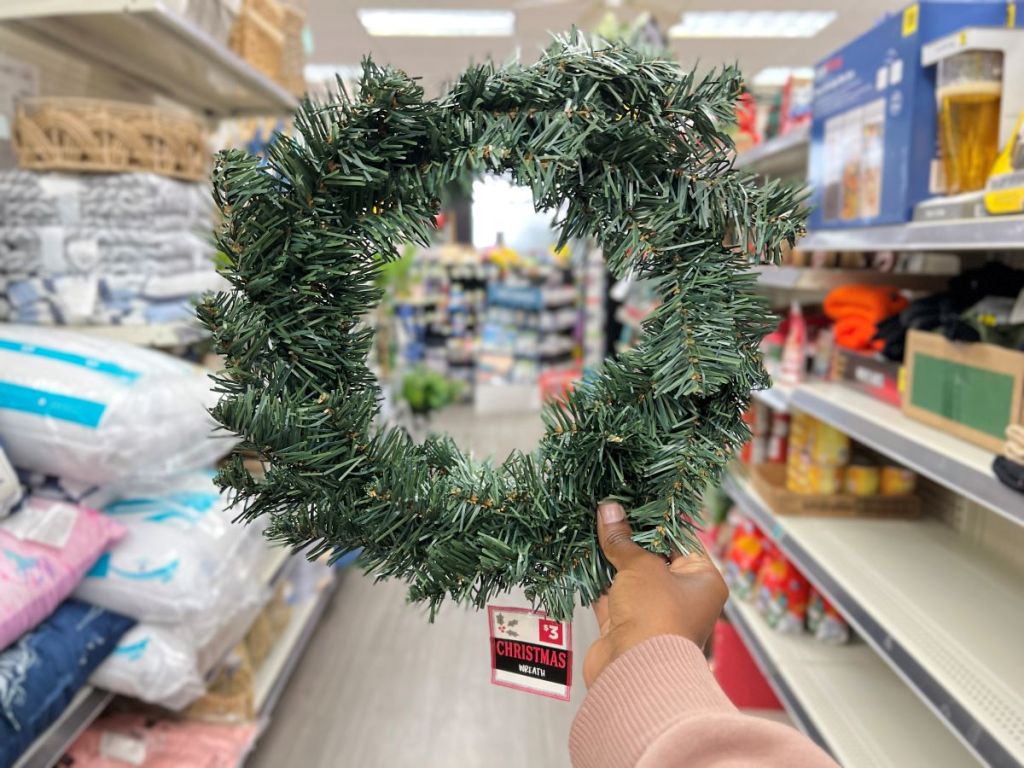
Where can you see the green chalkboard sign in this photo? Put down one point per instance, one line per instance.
(978, 398)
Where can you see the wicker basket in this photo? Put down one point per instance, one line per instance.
(293, 57)
(230, 698)
(258, 36)
(267, 628)
(770, 482)
(93, 135)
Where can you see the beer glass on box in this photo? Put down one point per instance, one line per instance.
(970, 87)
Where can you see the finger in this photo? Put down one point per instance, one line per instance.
(615, 537)
(600, 607)
(692, 562)
(696, 548)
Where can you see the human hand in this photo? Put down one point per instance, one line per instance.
(650, 595)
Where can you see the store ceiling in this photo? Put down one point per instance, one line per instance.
(340, 40)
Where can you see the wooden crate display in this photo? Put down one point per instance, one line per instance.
(974, 391)
(94, 135)
(770, 482)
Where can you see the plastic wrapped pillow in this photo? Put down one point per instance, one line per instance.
(160, 743)
(154, 664)
(185, 502)
(45, 550)
(42, 672)
(171, 570)
(99, 411)
(156, 574)
(10, 488)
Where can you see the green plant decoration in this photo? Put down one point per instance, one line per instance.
(638, 154)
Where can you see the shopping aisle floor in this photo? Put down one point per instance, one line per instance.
(380, 686)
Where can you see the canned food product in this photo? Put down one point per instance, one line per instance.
(862, 480)
(829, 446)
(824, 480)
(897, 481)
(777, 449)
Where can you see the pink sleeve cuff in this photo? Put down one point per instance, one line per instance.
(638, 697)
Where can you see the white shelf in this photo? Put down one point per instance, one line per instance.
(148, 42)
(273, 674)
(49, 747)
(847, 700)
(943, 615)
(948, 460)
(154, 335)
(776, 397)
(784, 155)
(825, 279)
(997, 233)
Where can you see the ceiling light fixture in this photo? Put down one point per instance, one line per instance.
(429, 22)
(319, 73)
(772, 77)
(732, 24)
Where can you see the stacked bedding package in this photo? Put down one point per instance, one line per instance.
(120, 563)
(104, 249)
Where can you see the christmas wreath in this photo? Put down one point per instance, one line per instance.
(632, 153)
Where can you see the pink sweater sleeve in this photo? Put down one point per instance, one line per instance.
(658, 706)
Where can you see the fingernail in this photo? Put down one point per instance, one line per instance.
(611, 512)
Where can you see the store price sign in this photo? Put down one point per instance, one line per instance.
(530, 652)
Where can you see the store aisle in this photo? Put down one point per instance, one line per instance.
(380, 686)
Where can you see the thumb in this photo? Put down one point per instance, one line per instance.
(615, 536)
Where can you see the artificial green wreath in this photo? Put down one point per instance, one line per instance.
(637, 153)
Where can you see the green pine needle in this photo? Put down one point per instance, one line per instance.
(638, 155)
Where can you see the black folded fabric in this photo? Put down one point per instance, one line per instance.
(942, 313)
(1009, 473)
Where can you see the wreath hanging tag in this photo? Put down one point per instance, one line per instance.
(636, 152)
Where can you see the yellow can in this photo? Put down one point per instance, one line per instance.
(897, 481)
(829, 446)
(862, 480)
(826, 481)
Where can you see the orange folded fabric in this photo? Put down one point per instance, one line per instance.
(857, 309)
(873, 303)
(856, 333)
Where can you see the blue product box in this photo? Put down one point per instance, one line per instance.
(873, 136)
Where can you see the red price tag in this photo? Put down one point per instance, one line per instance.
(551, 632)
(530, 652)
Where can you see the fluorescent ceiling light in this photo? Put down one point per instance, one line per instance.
(719, 24)
(777, 76)
(318, 73)
(428, 22)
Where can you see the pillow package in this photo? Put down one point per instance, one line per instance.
(161, 743)
(10, 488)
(154, 664)
(45, 550)
(41, 673)
(99, 411)
(183, 560)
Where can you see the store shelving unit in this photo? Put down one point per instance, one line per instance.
(148, 42)
(1003, 233)
(155, 335)
(48, 748)
(784, 155)
(943, 614)
(776, 397)
(846, 699)
(815, 279)
(90, 702)
(951, 462)
(275, 671)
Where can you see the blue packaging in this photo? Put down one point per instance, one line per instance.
(873, 135)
